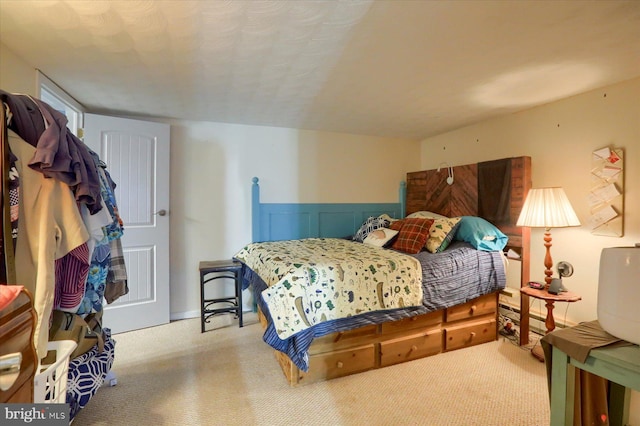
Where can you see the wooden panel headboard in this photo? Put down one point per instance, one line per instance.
(495, 190)
(467, 196)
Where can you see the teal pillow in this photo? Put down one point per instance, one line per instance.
(481, 234)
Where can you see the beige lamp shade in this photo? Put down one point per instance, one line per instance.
(547, 208)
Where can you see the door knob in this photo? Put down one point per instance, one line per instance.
(162, 212)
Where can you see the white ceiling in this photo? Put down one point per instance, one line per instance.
(407, 69)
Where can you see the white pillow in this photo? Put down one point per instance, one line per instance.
(387, 218)
(426, 215)
(380, 237)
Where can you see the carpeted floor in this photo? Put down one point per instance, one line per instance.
(174, 375)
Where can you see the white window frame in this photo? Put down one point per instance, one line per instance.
(52, 94)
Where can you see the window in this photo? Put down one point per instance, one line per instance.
(53, 95)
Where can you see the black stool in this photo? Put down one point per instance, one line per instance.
(229, 269)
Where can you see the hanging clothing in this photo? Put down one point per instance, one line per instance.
(50, 226)
(55, 181)
(96, 281)
(117, 284)
(25, 118)
(108, 276)
(61, 155)
(14, 200)
(71, 278)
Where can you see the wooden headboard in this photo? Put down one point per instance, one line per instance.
(495, 190)
(467, 196)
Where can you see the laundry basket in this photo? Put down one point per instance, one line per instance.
(50, 381)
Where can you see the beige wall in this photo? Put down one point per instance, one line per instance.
(16, 75)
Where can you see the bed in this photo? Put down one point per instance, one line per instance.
(320, 335)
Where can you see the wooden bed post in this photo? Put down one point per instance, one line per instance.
(402, 194)
(255, 210)
(523, 180)
(524, 280)
(525, 257)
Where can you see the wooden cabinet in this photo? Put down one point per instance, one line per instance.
(17, 322)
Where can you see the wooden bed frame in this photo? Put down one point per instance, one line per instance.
(375, 346)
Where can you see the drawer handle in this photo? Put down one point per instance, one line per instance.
(414, 348)
(339, 364)
(472, 335)
(473, 309)
(9, 370)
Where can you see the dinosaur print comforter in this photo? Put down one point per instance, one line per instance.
(314, 280)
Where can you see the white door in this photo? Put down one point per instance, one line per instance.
(137, 157)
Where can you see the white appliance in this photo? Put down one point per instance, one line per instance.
(619, 292)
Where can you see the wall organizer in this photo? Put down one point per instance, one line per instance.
(606, 199)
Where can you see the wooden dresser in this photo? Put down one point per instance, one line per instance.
(17, 322)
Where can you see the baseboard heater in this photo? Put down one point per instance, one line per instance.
(536, 320)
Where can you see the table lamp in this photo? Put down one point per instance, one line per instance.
(547, 208)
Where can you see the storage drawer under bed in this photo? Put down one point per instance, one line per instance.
(424, 321)
(469, 334)
(326, 366)
(416, 346)
(475, 308)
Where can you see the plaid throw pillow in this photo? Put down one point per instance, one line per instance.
(396, 225)
(413, 235)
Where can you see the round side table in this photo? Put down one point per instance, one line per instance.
(550, 299)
